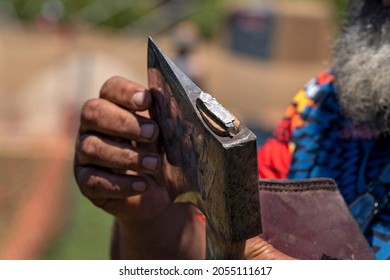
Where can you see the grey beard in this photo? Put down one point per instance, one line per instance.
(361, 66)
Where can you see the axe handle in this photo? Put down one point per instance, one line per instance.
(217, 248)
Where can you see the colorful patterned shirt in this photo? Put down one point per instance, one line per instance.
(315, 140)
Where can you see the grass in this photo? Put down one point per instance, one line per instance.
(86, 235)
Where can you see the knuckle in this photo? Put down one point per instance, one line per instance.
(89, 149)
(92, 186)
(90, 111)
(88, 182)
(108, 85)
(126, 121)
(130, 157)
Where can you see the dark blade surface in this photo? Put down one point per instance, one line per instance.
(217, 174)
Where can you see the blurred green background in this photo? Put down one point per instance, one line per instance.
(86, 235)
(118, 14)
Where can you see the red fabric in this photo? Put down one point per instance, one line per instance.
(324, 78)
(274, 156)
(274, 159)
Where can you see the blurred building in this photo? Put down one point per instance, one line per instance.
(287, 31)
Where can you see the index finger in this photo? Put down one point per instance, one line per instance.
(126, 93)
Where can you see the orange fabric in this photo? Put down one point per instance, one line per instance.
(324, 78)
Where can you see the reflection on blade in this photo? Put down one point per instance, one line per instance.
(216, 173)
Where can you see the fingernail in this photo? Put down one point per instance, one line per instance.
(150, 163)
(147, 130)
(139, 98)
(139, 186)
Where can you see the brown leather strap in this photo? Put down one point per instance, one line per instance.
(309, 219)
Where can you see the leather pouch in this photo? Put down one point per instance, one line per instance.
(309, 219)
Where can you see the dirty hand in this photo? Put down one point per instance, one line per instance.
(112, 167)
(117, 167)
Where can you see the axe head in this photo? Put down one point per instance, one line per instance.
(209, 158)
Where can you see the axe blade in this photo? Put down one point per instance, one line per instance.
(216, 172)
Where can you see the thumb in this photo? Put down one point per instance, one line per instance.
(257, 248)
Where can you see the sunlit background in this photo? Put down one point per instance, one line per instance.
(54, 55)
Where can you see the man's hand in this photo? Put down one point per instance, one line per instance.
(257, 248)
(112, 164)
(116, 166)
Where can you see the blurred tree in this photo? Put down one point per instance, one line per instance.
(209, 16)
(115, 13)
(27, 10)
(120, 13)
(340, 9)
